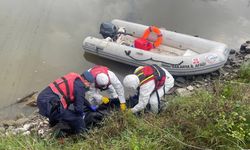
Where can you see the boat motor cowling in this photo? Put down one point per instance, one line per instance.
(107, 29)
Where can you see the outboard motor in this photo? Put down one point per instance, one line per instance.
(107, 29)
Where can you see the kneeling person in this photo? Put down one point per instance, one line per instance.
(55, 100)
(104, 79)
(151, 83)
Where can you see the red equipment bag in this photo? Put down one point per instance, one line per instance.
(143, 44)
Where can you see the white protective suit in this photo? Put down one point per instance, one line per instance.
(115, 90)
(146, 90)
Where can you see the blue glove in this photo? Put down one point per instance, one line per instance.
(94, 108)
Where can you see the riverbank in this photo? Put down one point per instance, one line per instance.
(206, 111)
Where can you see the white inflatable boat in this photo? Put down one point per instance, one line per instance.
(180, 54)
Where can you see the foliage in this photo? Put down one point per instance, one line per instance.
(219, 120)
(244, 74)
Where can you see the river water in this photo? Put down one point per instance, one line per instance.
(41, 40)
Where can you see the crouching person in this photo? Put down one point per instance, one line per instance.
(105, 80)
(63, 101)
(151, 83)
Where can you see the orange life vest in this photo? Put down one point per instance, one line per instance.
(100, 69)
(153, 72)
(64, 87)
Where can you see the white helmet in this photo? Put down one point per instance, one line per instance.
(131, 81)
(102, 79)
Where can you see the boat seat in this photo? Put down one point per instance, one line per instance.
(167, 50)
(189, 52)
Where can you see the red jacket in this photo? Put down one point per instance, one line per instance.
(153, 72)
(64, 87)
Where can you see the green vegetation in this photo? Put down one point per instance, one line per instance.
(218, 120)
(245, 72)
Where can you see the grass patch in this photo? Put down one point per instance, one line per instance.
(32, 142)
(219, 120)
(244, 74)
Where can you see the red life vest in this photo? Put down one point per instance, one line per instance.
(100, 69)
(153, 72)
(64, 87)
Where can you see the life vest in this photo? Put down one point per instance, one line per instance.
(153, 72)
(100, 69)
(64, 87)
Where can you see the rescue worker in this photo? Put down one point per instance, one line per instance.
(151, 83)
(104, 79)
(63, 101)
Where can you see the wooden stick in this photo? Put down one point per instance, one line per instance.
(25, 98)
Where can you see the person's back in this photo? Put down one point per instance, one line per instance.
(55, 100)
(152, 82)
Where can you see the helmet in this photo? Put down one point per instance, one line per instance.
(88, 76)
(102, 79)
(131, 81)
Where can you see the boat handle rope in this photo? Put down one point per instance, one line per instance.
(129, 52)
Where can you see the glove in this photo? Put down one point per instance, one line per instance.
(123, 106)
(105, 100)
(93, 108)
